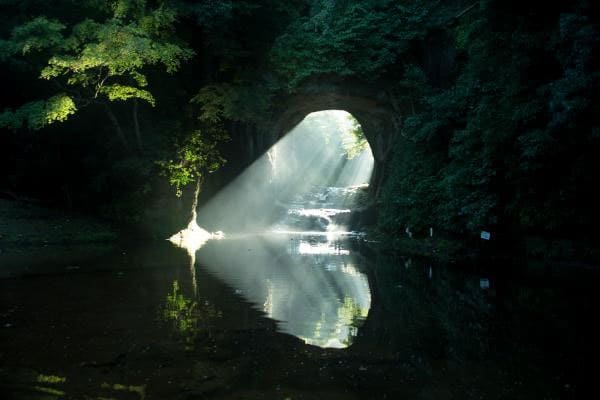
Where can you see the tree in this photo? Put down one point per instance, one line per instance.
(197, 154)
(507, 143)
(97, 63)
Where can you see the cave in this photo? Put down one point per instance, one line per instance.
(370, 104)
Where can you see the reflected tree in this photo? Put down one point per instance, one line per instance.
(189, 317)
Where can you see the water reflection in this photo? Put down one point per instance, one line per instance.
(94, 332)
(187, 316)
(310, 285)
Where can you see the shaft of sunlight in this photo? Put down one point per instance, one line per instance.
(287, 216)
(327, 150)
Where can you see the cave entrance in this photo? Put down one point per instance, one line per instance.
(369, 104)
(310, 179)
(320, 172)
(327, 148)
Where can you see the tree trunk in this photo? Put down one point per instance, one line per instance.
(136, 126)
(117, 126)
(194, 214)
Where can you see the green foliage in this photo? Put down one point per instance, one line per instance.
(120, 92)
(507, 139)
(479, 153)
(239, 101)
(195, 156)
(354, 140)
(363, 38)
(180, 311)
(98, 58)
(216, 102)
(38, 34)
(117, 50)
(37, 114)
(189, 318)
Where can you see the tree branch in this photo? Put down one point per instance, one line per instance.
(136, 125)
(116, 125)
(467, 10)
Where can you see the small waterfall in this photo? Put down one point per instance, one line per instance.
(323, 209)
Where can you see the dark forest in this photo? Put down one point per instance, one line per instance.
(468, 145)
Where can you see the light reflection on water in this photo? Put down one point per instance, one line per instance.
(311, 286)
(301, 273)
(86, 325)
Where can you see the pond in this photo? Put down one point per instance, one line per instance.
(289, 316)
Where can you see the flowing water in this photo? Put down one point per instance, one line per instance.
(303, 311)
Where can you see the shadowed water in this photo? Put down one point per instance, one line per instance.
(281, 316)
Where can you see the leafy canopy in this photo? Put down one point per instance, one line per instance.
(97, 61)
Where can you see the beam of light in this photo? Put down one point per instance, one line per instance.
(302, 276)
(357, 171)
(310, 156)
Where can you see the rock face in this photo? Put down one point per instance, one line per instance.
(369, 104)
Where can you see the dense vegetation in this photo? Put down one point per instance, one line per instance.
(500, 131)
(508, 142)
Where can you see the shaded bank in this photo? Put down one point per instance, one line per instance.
(564, 252)
(27, 224)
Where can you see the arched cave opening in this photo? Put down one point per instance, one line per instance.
(310, 179)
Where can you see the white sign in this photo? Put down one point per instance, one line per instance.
(485, 235)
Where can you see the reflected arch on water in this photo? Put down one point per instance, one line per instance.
(310, 285)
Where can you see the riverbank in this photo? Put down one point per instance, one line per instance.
(24, 223)
(28, 224)
(555, 251)
(439, 249)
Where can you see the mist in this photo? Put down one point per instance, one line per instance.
(324, 153)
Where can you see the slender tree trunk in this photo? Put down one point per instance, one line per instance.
(136, 126)
(194, 214)
(116, 125)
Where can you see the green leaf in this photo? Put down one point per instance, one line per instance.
(37, 114)
(123, 93)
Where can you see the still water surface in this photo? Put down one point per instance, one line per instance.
(311, 286)
(288, 316)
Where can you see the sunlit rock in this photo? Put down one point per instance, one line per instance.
(194, 237)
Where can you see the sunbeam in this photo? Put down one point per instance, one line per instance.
(303, 179)
(286, 217)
